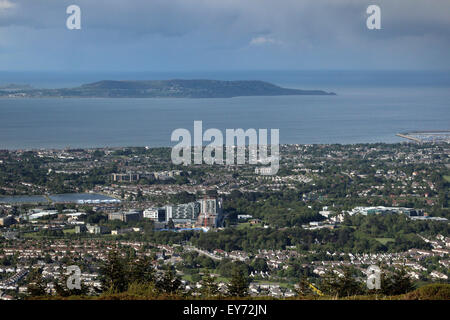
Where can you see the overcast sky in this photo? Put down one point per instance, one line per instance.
(214, 35)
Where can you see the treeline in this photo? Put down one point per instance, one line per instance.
(279, 209)
(394, 225)
(357, 234)
(344, 239)
(126, 275)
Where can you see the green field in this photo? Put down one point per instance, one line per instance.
(32, 235)
(243, 225)
(447, 178)
(188, 277)
(383, 241)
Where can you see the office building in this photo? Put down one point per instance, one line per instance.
(125, 216)
(183, 213)
(125, 177)
(6, 221)
(155, 214)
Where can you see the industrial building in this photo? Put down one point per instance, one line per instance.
(410, 212)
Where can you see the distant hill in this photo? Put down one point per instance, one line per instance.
(173, 89)
(15, 87)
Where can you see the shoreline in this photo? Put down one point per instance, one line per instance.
(169, 147)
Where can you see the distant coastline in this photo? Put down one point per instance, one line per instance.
(160, 89)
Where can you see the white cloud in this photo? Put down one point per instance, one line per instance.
(6, 4)
(261, 40)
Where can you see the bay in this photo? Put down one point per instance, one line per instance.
(355, 115)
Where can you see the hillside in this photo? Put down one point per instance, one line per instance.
(438, 291)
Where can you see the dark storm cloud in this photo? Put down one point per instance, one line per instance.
(175, 17)
(235, 33)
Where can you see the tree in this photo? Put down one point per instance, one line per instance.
(342, 285)
(169, 283)
(139, 196)
(171, 225)
(212, 193)
(113, 273)
(48, 259)
(96, 218)
(209, 287)
(63, 291)
(36, 284)
(238, 286)
(260, 264)
(397, 282)
(142, 271)
(304, 288)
